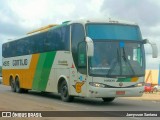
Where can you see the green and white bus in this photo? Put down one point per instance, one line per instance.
(69, 59)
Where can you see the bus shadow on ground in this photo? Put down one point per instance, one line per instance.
(44, 95)
(78, 100)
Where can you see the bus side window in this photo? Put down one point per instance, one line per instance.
(78, 36)
(5, 52)
(82, 60)
(40, 41)
(52, 41)
(58, 38)
(12, 49)
(65, 31)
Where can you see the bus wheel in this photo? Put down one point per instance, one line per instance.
(18, 89)
(64, 93)
(110, 99)
(13, 86)
(24, 90)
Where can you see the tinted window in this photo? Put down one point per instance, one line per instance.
(55, 39)
(65, 37)
(78, 36)
(113, 32)
(58, 39)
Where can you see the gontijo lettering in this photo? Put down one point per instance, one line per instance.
(20, 62)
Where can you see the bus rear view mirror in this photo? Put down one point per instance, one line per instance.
(90, 47)
(154, 48)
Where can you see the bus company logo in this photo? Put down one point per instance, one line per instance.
(120, 84)
(6, 114)
(63, 62)
(78, 86)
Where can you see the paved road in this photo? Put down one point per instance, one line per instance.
(36, 101)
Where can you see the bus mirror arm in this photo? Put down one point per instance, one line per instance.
(90, 47)
(154, 47)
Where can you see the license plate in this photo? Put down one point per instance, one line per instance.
(120, 92)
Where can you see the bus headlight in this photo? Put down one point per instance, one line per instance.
(97, 84)
(140, 84)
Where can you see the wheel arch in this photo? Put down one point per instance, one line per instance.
(10, 79)
(60, 80)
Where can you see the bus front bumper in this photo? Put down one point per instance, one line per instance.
(115, 92)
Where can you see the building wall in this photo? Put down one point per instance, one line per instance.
(153, 76)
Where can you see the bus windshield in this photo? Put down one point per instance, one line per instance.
(115, 58)
(118, 50)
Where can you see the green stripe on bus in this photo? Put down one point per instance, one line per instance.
(124, 80)
(46, 70)
(43, 70)
(38, 72)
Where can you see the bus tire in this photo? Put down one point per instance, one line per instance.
(18, 89)
(13, 85)
(64, 92)
(24, 90)
(109, 99)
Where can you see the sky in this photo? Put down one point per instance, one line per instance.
(18, 17)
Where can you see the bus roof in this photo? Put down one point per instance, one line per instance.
(82, 21)
(42, 29)
(109, 20)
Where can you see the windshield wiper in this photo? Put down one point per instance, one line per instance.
(124, 55)
(113, 65)
(127, 61)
